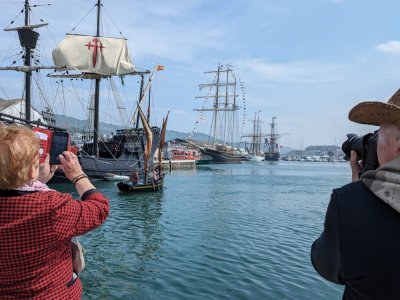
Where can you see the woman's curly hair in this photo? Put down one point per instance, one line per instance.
(19, 152)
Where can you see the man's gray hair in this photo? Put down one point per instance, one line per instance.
(387, 131)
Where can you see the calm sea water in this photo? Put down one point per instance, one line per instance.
(217, 232)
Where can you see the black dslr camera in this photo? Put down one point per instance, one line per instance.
(365, 146)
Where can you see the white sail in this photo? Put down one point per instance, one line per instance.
(100, 55)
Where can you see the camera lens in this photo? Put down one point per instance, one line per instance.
(353, 142)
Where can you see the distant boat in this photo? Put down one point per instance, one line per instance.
(180, 149)
(254, 146)
(272, 152)
(224, 125)
(184, 154)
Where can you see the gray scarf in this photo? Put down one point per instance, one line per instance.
(384, 182)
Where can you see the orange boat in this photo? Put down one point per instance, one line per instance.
(179, 154)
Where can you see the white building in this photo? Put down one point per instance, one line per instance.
(16, 108)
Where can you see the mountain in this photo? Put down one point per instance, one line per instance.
(76, 125)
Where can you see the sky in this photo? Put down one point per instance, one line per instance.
(306, 62)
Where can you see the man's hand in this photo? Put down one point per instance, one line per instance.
(46, 171)
(356, 167)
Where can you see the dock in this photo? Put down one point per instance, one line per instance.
(186, 164)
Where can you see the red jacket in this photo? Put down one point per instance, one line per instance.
(35, 250)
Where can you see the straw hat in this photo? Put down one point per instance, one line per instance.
(375, 112)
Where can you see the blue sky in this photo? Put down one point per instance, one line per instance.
(307, 62)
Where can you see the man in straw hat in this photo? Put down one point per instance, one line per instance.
(360, 244)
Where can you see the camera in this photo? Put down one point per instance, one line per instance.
(365, 147)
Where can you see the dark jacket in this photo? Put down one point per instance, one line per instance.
(360, 244)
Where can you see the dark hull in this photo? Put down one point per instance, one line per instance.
(202, 162)
(120, 156)
(149, 187)
(272, 156)
(221, 157)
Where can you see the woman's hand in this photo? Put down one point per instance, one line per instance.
(70, 164)
(46, 171)
(72, 169)
(355, 166)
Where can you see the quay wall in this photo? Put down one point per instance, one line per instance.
(179, 164)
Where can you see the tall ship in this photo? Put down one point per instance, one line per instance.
(94, 61)
(254, 147)
(26, 62)
(272, 152)
(223, 145)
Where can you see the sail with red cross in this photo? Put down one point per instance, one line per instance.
(99, 55)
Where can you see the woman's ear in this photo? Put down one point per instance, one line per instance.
(34, 172)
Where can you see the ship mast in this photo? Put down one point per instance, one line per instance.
(28, 39)
(216, 105)
(28, 75)
(221, 106)
(96, 94)
(256, 135)
(273, 137)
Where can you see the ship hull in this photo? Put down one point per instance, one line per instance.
(148, 187)
(221, 157)
(255, 157)
(273, 156)
(121, 156)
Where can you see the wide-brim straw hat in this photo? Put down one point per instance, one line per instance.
(375, 112)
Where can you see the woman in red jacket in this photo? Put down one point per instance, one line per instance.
(37, 224)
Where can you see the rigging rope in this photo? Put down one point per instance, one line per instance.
(233, 106)
(118, 100)
(109, 16)
(84, 17)
(15, 18)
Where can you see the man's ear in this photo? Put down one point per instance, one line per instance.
(397, 141)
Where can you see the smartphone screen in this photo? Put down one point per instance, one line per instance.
(59, 144)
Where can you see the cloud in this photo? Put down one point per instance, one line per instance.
(392, 47)
(307, 72)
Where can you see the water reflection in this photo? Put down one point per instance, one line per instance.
(125, 247)
(217, 232)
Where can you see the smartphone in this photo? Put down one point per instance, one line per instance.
(59, 144)
(44, 136)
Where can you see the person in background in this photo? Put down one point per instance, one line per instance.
(37, 223)
(360, 246)
(135, 177)
(155, 175)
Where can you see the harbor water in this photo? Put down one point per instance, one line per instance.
(216, 232)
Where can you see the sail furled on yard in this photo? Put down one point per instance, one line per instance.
(100, 55)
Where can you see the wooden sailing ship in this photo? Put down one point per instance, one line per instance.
(88, 59)
(272, 152)
(156, 182)
(97, 58)
(224, 131)
(254, 146)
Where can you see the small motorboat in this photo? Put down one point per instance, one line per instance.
(115, 177)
